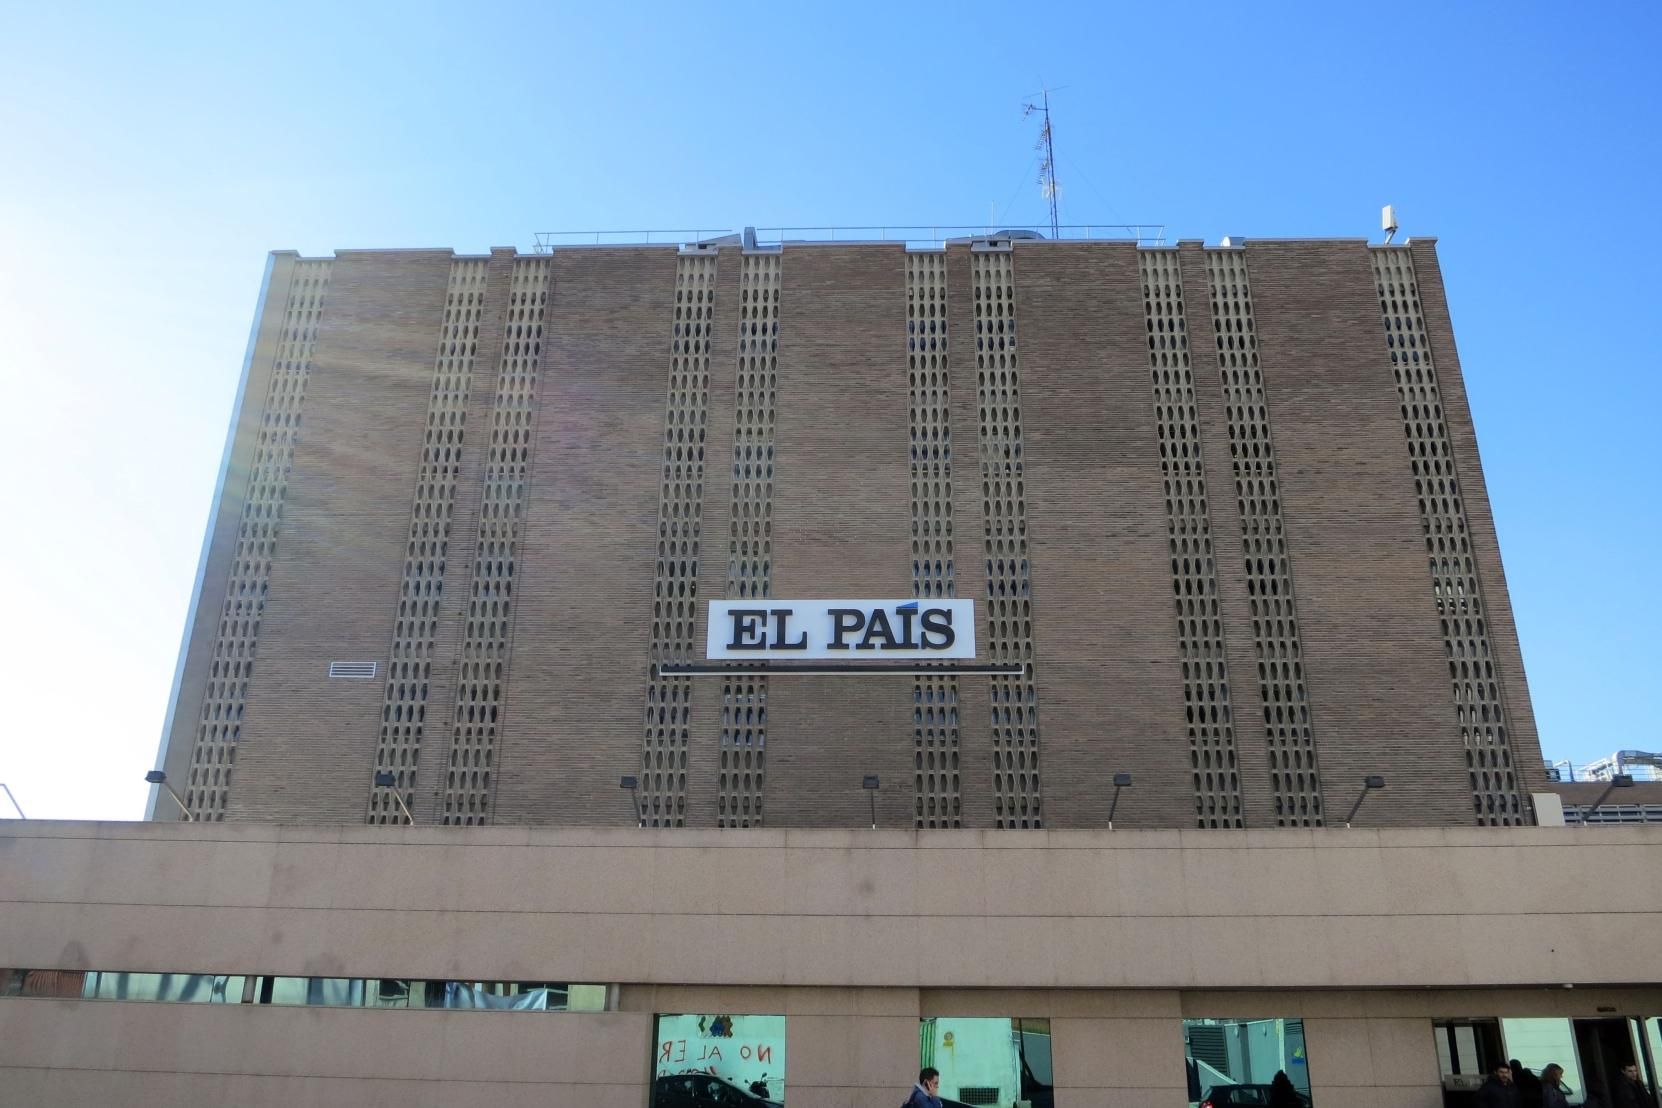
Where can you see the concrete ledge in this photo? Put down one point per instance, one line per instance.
(1069, 909)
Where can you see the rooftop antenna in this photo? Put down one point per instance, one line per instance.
(1388, 222)
(1047, 145)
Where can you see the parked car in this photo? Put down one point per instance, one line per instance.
(703, 1090)
(1242, 1096)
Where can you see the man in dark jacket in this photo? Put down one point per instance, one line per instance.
(1498, 1091)
(1628, 1091)
(926, 1093)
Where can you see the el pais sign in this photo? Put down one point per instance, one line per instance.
(840, 630)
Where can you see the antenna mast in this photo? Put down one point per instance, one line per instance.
(1047, 167)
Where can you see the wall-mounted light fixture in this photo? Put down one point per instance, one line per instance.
(1618, 781)
(157, 777)
(1121, 781)
(1369, 783)
(386, 779)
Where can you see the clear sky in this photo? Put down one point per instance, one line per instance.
(150, 156)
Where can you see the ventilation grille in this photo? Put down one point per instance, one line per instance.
(744, 700)
(1015, 709)
(410, 668)
(209, 784)
(1288, 737)
(934, 700)
(1209, 1045)
(1189, 539)
(1478, 704)
(680, 512)
(357, 670)
(978, 1094)
(487, 637)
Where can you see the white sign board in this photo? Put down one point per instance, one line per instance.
(840, 630)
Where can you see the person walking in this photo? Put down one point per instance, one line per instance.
(926, 1093)
(1554, 1093)
(1282, 1092)
(1529, 1086)
(1628, 1091)
(1498, 1091)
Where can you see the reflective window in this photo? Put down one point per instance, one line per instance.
(703, 1060)
(328, 992)
(1538, 1043)
(1246, 1063)
(992, 1061)
(63, 983)
(182, 987)
(1649, 1034)
(1467, 1051)
(388, 992)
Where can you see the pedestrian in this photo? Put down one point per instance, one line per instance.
(1629, 1091)
(1554, 1093)
(1282, 1093)
(1529, 1085)
(1498, 1091)
(926, 1093)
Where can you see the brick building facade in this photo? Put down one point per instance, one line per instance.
(1220, 509)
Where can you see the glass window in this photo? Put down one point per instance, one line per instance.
(329, 992)
(1652, 1033)
(989, 1060)
(1538, 1043)
(586, 998)
(1467, 1050)
(1246, 1063)
(60, 983)
(703, 1060)
(179, 987)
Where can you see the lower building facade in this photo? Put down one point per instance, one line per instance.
(260, 964)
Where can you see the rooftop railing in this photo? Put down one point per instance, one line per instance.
(916, 237)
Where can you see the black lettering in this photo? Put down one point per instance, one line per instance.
(844, 622)
(907, 615)
(938, 621)
(878, 629)
(781, 634)
(747, 629)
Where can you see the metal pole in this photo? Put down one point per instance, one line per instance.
(13, 799)
(179, 800)
(396, 796)
(872, 796)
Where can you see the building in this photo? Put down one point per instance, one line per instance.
(1221, 508)
(994, 641)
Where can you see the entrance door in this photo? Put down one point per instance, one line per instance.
(1466, 1051)
(1604, 1047)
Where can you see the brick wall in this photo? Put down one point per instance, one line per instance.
(1110, 688)
(309, 741)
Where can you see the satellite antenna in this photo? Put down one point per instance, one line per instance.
(1388, 222)
(1047, 146)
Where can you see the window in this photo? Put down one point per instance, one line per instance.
(327, 992)
(41, 983)
(183, 987)
(352, 992)
(989, 1060)
(1246, 1063)
(711, 1060)
(1538, 1043)
(1467, 1050)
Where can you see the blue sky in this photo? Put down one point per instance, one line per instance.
(150, 156)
